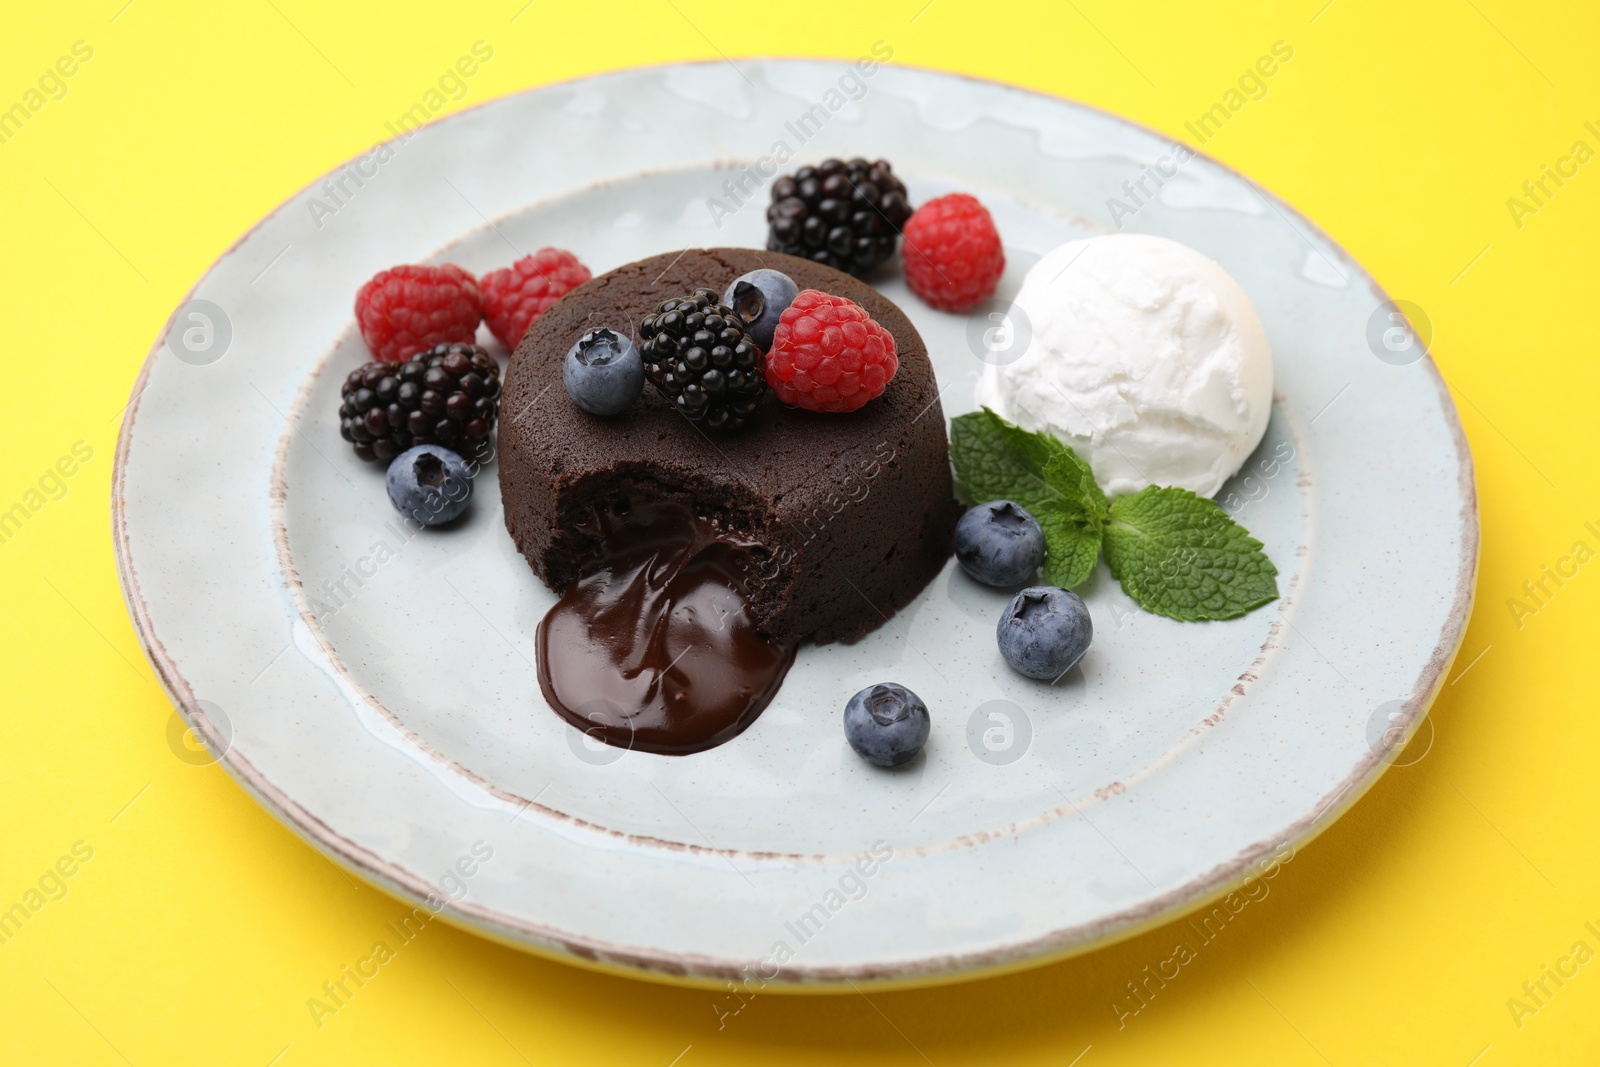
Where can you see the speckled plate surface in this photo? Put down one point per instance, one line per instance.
(376, 690)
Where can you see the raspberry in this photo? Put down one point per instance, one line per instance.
(953, 257)
(515, 296)
(828, 355)
(405, 310)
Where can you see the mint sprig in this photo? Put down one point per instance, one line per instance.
(995, 459)
(1180, 555)
(1176, 554)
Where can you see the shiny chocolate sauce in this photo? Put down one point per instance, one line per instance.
(653, 647)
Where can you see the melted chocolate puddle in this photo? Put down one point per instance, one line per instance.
(653, 647)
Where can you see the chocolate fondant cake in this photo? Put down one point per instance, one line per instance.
(845, 516)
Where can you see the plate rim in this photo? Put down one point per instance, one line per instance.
(702, 971)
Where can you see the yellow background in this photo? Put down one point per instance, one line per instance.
(201, 926)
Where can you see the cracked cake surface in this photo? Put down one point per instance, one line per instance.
(849, 515)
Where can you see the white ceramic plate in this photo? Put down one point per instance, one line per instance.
(377, 691)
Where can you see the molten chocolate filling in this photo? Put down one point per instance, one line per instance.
(653, 646)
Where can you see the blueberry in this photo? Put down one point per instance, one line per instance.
(999, 543)
(603, 374)
(886, 724)
(429, 484)
(1045, 631)
(759, 298)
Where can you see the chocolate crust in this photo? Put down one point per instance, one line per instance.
(850, 515)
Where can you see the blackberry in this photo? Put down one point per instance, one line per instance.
(845, 215)
(697, 355)
(446, 396)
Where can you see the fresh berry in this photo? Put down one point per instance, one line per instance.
(405, 310)
(828, 355)
(759, 298)
(429, 484)
(447, 395)
(953, 259)
(514, 296)
(886, 724)
(1045, 631)
(846, 215)
(603, 372)
(999, 543)
(697, 355)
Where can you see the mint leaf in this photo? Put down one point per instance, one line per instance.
(1180, 555)
(995, 460)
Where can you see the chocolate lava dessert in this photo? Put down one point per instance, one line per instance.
(692, 562)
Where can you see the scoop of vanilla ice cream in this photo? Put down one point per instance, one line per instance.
(1145, 357)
